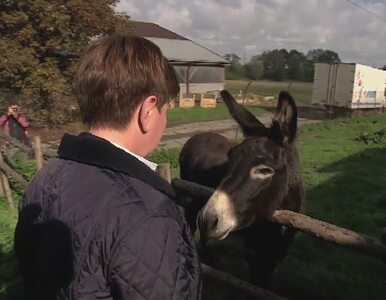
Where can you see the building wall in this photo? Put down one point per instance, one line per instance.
(201, 88)
(202, 79)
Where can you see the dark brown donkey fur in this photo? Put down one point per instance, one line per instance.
(252, 179)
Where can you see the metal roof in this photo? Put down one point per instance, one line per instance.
(187, 51)
(177, 49)
(147, 29)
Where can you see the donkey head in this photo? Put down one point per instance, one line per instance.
(256, 180)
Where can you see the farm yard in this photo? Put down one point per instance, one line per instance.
(343, 167)
(301, 91)
(296, 210)
(342, 164)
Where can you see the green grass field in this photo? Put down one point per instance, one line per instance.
(179, 115)
(343, 163)
(301, 91)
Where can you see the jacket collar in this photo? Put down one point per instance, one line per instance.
(92, 150)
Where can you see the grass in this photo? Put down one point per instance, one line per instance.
(343, 164)
(301, 91)
(9, 279)
(346, 186)
(343, 167)
(179, 115)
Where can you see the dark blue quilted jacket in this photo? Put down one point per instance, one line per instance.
(97, 223)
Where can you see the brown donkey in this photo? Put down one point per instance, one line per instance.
(252, 179)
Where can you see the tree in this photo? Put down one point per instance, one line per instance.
(296, 65)
(275, 64)
(235, 69)
(39, 43)
(254, 69)
(323, 56)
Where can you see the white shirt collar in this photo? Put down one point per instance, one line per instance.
(150, 164)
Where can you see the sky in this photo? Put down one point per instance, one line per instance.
(248, 27)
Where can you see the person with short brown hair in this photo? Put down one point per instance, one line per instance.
(99, 222)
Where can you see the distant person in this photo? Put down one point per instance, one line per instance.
(98, 222)
(15, 124)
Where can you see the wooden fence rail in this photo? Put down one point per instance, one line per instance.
(233, 282)
(6, 169)
(357, 242)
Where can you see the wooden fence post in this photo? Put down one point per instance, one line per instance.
(6, 189)
(164, 171)
(38, 152)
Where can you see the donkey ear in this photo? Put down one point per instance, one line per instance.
(284, 123)
(247, 121)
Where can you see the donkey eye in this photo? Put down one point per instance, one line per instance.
(265, 171)
(261, 172)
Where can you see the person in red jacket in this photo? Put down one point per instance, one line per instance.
(15, 124)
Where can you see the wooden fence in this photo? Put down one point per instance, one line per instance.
(328, 232)
(6, 165)
(339, 236)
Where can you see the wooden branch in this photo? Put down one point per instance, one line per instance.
(14, 142)
(38, 152)
(10, 172)
(359, 243)
(234, 282)
(7, 191)
(331, 233)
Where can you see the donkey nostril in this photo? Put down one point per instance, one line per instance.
(212, 224)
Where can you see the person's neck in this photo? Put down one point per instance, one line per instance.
(126, 138)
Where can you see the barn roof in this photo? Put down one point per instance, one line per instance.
(147, 29)
(178, 49)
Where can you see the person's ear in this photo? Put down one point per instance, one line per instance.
(146, 110)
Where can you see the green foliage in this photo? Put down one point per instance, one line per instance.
(235, 70)
(254, 69)
(275, 64)
(9, 278)
(38, 41)
(166, 156)
(376, 137)
(279, 65)
(323, 56)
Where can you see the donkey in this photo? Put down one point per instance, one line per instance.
(251, 180)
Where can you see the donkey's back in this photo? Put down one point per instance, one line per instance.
(204, 158)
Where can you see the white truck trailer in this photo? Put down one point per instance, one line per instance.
(349, 86)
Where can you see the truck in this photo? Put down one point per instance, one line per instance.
(349, 86)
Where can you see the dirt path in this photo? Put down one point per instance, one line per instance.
(175, 137)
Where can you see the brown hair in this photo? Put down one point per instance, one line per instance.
(115, 74)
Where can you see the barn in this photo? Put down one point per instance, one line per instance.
(199, 70)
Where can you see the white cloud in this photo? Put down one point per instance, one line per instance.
(247, 27)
